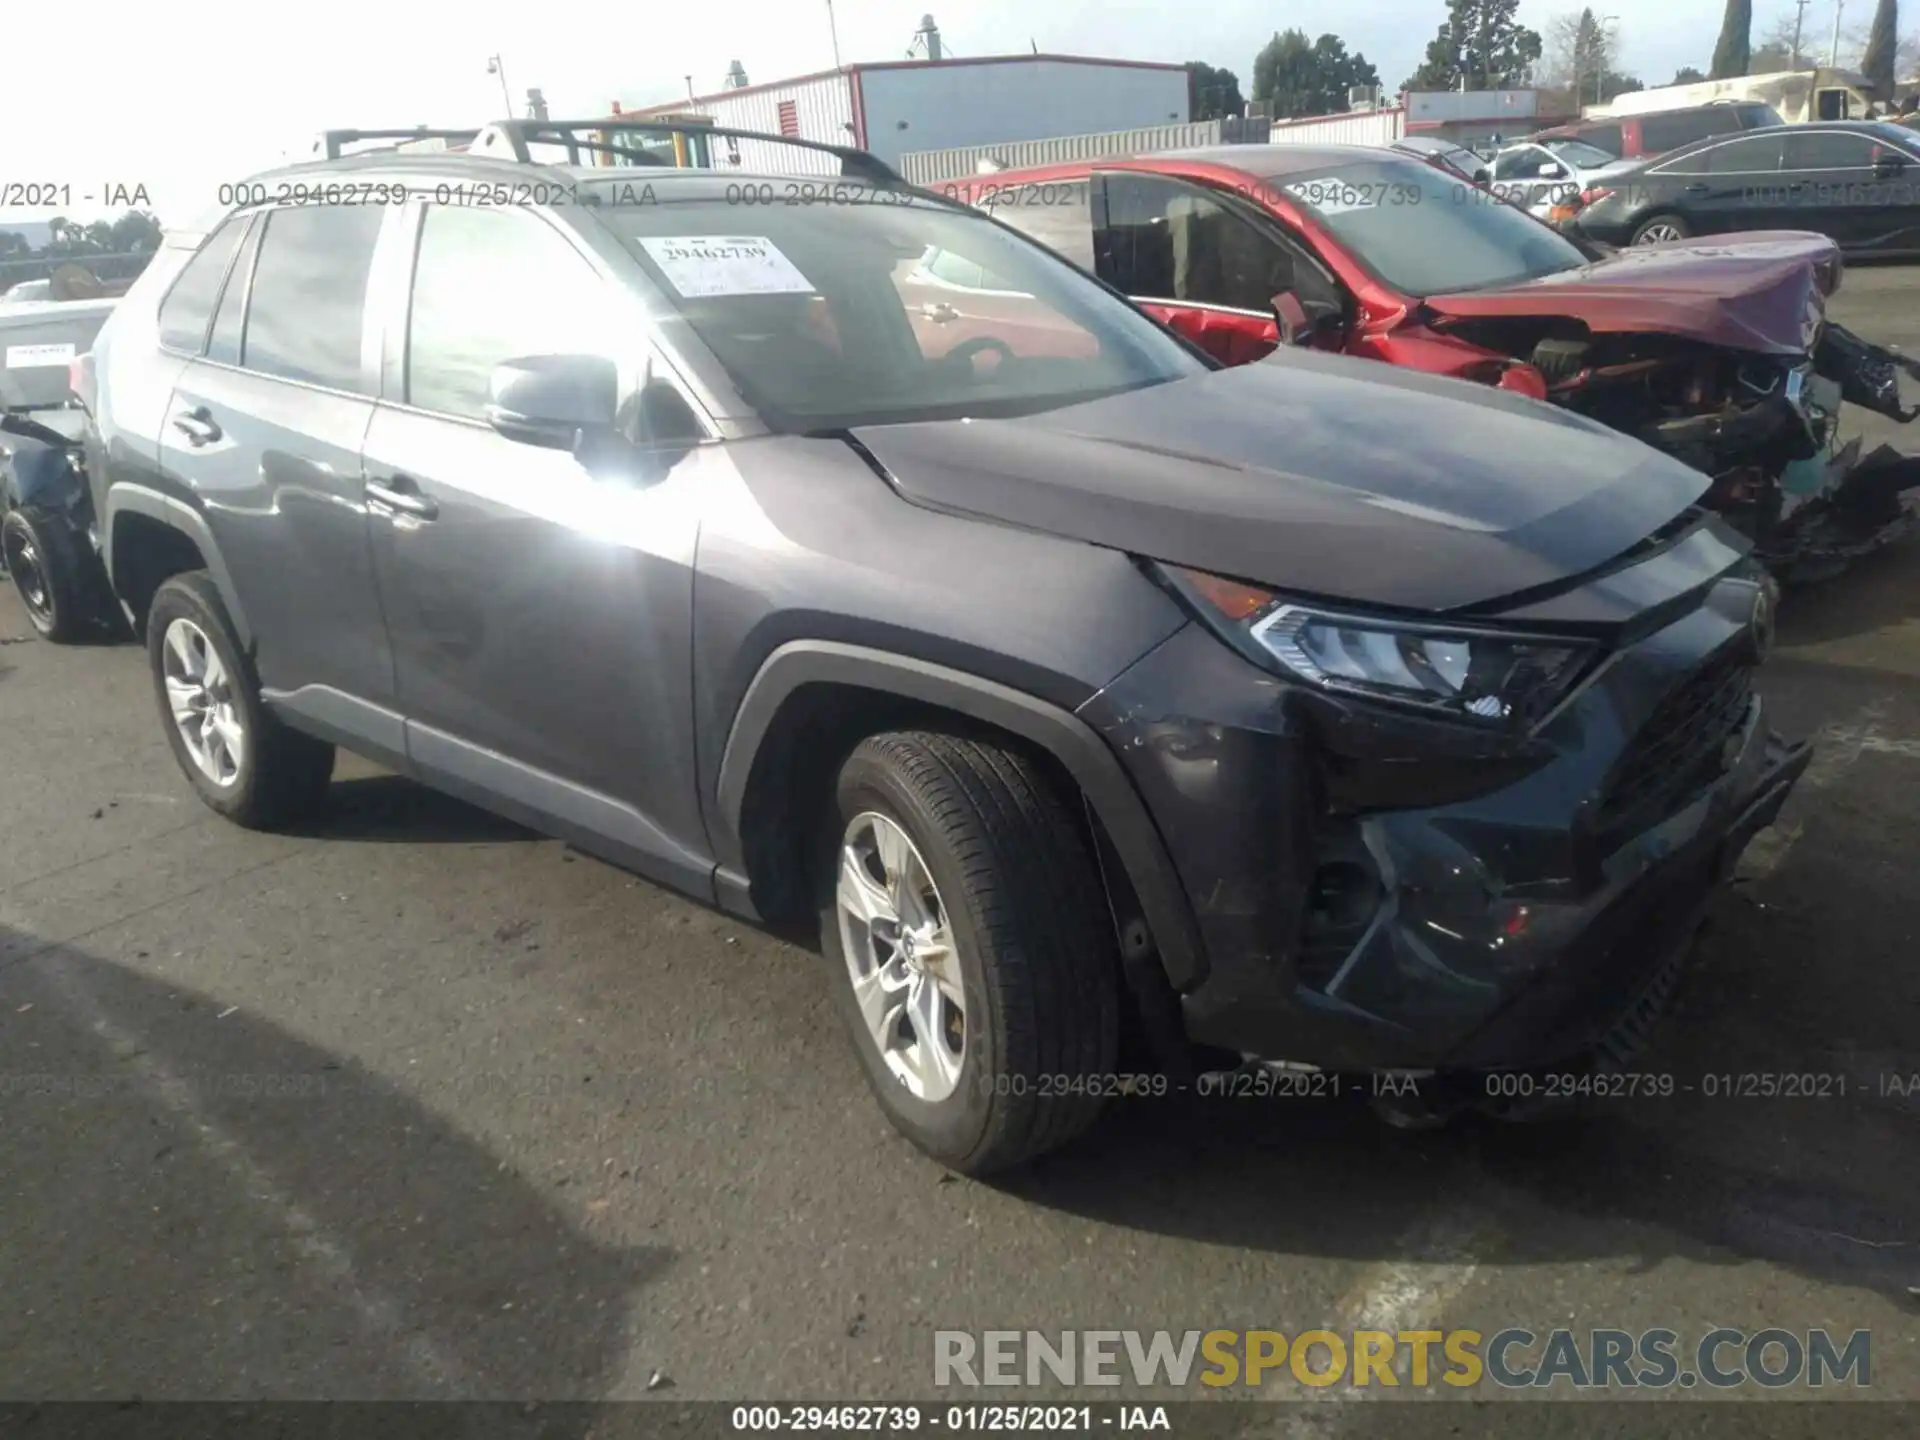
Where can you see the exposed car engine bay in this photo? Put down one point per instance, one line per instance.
(1764, 426)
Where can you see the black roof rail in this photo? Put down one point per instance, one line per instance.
(514, 137)
(332, 141)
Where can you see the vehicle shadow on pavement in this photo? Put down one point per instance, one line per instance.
(198, 1204)
(1717, 1173)
(391, 808)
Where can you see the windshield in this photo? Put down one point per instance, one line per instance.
(1579, 153)
(875, 306)
(1427, 233)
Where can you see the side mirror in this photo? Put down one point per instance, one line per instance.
(558, 402)
(1296, 326)
(1483, 176)
(1889, 162)
(1301, 321)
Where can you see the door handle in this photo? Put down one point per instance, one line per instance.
(940, 313)
(197, 425)
(400, 496)
(1698, 187)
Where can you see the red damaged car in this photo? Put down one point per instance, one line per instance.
(1718, 352)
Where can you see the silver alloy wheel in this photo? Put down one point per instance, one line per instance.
(200, 694)
(1659, 233)
(901, 957)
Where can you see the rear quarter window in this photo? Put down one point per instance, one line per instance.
(188, 308)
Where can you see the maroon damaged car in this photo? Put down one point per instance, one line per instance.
(1718, 352)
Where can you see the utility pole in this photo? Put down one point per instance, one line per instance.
(834, 31)
(1833, 49)
(496, 67)
(1799, 19)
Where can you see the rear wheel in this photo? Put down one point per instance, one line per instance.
(1659, 229)
(240, 759)
(52, 574)
(973, 956)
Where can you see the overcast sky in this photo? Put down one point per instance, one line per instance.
(182, 96)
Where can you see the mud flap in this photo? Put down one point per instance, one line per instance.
(1869, 375)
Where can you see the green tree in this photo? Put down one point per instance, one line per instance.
(1299, 78)
(1687, 75)
(1883, 39)
(1213, 91)
(1482, 43)
(134, 232)
(1732, 52)
(13, 243)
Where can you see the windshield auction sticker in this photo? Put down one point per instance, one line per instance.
(703, 265)
(29, 357)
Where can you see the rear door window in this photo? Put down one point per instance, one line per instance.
(188, 308)
(1749, 155)
(1827, 150)
(309, 295)
(1167, 240)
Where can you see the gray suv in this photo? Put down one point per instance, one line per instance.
(1117, 719)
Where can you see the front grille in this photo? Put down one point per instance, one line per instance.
(1682, 745)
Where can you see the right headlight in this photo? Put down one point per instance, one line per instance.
(1481, 676)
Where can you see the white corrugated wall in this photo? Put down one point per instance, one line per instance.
(927, 166)
(823, 108)
(1363, 127)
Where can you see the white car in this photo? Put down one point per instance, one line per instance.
(1537, 175)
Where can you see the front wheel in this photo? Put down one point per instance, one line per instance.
(1660, 229)
(972, 953)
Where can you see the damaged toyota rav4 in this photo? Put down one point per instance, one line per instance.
(1081, 692)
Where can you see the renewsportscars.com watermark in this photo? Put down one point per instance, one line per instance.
(1510, 1359)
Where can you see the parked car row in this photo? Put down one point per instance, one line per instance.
(1113, 708)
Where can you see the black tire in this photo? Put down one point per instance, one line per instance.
(282, 775)
(1667, 219)
(55, 577)
(1038, 967)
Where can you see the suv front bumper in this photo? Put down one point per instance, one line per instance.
(1505, 930)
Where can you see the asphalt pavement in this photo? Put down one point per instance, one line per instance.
(419, 1104)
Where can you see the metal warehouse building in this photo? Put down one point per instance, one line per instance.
(895, 107)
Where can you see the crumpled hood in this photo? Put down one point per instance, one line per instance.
(1315, 473)
(1763, 291)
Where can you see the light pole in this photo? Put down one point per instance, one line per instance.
(1833, 47)
(834, 31)
(1601, 57)
(495, 67)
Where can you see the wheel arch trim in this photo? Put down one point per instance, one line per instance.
(129, 499)
(1065, 736)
